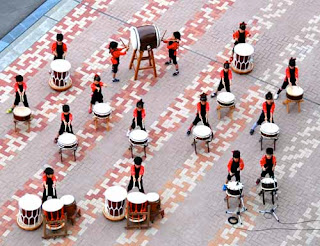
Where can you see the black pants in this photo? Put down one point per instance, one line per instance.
(136, 184)
(18, 100)
(236, 174)
(285, 84)
(173, 57)
(269, 171)
(261, 119)
(96, 97)
(221, 86)
(197, 120)
(139, 123)
(65, 129)
(115, 68)
(50, 193)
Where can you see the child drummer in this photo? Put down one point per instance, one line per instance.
(66, 119)
(267, 112)
(115, 58)
(240, 36)
(137, 172)
(20, 88)
(292, 75)
(268, 163)
(225, 79)
(173, 46)
(202, 113)
(96, 91)
(49, 184)
(59, 49)
(235, 165)
(139, 115)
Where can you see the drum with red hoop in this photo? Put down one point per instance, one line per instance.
(30, 215)
(114, 207)
(137, 203)
(243, 58)
(60, 79)
(53, 210)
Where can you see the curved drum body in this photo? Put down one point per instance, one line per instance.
(234, 188)
(144, 37)
(70, 206)
(53, 210)
(136, 203)
(60, 75)
(30, 215)
(138, 137)
(226, 99)
(154, 202)
(102, 110)
(269, 130)
(294, 93)
(67, 141)
(22, 113)
(202, 132)
(115, 198)
(269, 184)
(243, 58)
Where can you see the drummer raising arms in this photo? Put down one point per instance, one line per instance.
(235, 165)
(225, 79)
(137, 172)
(49, 184)
(268, 163)
(20, 88)
(115, 58)
(139, 114)
(96, 95)
(66, 119)
(59, 49)
(292, 75)
(202, 113)
(173, 46)
(240, 35)
(267, 112)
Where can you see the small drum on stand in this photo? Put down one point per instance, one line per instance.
(60, 79)
(294, 94)
(269, 131)
(202, 133)
(21, 114)
(225, 100)
(70, 207)
(269, 184)
(144, 38)
(30, 215)
(53, 211)
(115, 199)
(138, 138)
(234, 189)
(243, 58)
(155, 205)
(102, 111)
(68, 141)
(136, 203)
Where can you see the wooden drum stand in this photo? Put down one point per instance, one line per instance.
(133, 225)
(139, 58)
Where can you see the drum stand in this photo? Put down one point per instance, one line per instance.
(240, 209)
(288, 101)
(134, 225)
(207, 142)
(28, 123)
(271, 211)
(273, 192)
(95, 119)
(54, 233)
(144, 148)
(74, 151)
(219, 107)
(149, 57)
(274, 141)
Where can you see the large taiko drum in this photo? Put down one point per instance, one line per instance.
(243, 58)
(70, 205)
(269, 130)
(67, 141)
(144, 37)
(22, 113)
(30, 215)
(137, 202)
(294, 93)
(225, 99)
(53, 210)
(138, 137)
(60, 79)
(102, 110)
(234, 188)
(202, 132)
(154, 202)
(269, 184)
(115, 199)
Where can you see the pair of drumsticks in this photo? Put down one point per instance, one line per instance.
(138, 184)
(53, 191)
(65, 127)
(127, 46)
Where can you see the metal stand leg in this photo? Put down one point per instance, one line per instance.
(144, 148)
(195, 146)
(208, 146)
(60, 151)
(261, 139)
(131, 151)
(272, 211)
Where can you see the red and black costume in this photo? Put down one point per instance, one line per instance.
(96, 94)
(115, 58)
(233, 168)
(240, 37)
(203, 111)
(65, 128)
(172, 47)
(292, 74)
(266, 109)
(50, 191)
(268, 164)
(226, 77)
(140, 115)
(20, 88)
(136, 171)
(59, 48)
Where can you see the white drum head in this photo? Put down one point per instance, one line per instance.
(30, 202)
(158, 35)
(225, 97)
(67, 139)
(67, 199)
(153, 197)
(52, 205)
(60, 66)
(21, 111)
(116, 194)
(102, 108)
(244, 49)
(138, 135)
(294, 90)
(134, 37)
(268, 181)
(137, 197)
(201, 131)
(269, 128)
(234, 185)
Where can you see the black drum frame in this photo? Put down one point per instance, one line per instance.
(74, 148)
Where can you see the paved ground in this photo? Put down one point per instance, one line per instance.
(189, 184)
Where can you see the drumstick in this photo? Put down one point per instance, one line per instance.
(139, 185)
(123, 43)
(69, 128)
(21, 97)
(53, 191)
(163, 34)
(65, 127)
(47, 190)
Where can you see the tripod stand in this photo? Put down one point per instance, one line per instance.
(271, 211)
(240, 209)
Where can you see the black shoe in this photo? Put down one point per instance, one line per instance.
(258, 181)
(251, 132)
(175, 73)
(188, 132)
(115, 80)
(213, 95)
(167, 63)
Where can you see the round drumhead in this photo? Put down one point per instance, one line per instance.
(244, 49)
(116, 194)
(153, 197)
(102, 108)
(234, 185)
(134, 38)
(67, 139)
(225, 97)
(60, 65)
(268, 181)
(21, 111)
(201, 131)
(52, 205)
(30, 202)
(269, 128)
(138, 135)
(137, 197)
(294, 90)
(158, 35)
(67, 199)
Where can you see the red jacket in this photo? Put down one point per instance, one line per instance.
(54, 47)
(241, 164)
(16, 86)
(199, 107)
(63, 118)
(135, 113)
(229, 74)
(44, 178)
(93, 86)
(263, 160)
(133, 172)
(236, 34)
(116, 54)
(264, 107)
(174, 46)
(296, 72)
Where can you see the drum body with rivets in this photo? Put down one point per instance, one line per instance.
(243, 58)
(137, 202)
(30, 214)
(154, 202)
(60, 75)
(144, 37)
(294, 93)
(21, 113)
(70, 205)
(53, 210)
(115, 199)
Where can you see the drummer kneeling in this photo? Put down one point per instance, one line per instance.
(139, 115)
(137, 172)
(235, 165)
(268, 163)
